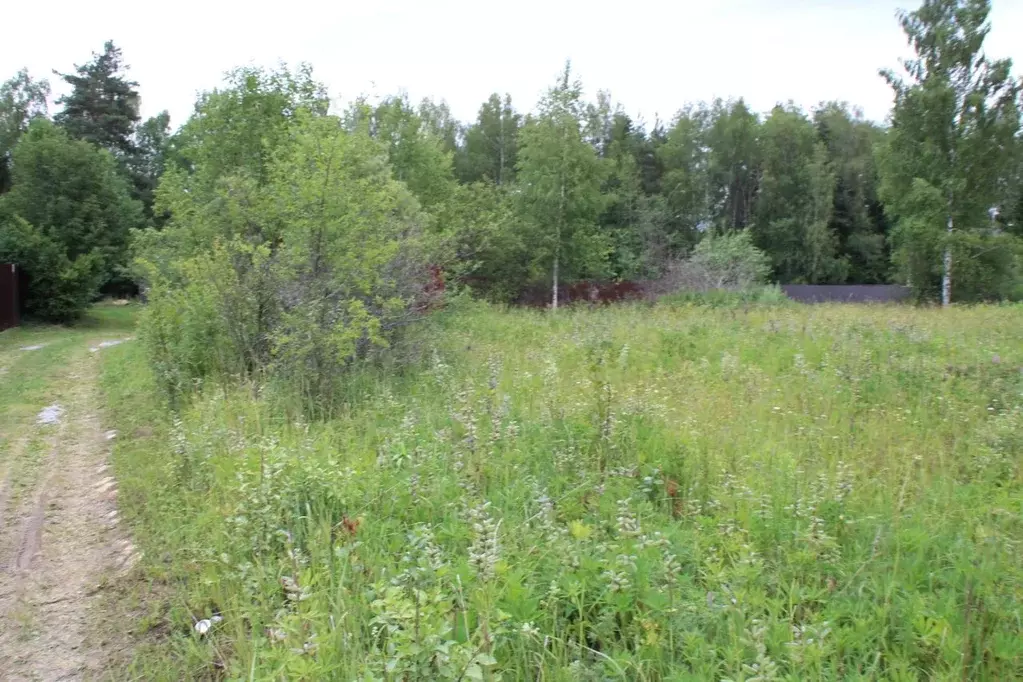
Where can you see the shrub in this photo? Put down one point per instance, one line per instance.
(77, 201)
(59, 288)
(728, 261)
(294, 279)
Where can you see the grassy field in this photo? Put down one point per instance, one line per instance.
(632, 493)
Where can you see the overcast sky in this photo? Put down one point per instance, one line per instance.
(653, 56)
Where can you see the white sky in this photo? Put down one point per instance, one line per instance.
(653, 56)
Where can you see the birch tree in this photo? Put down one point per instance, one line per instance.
(952, 128)
(560, 177)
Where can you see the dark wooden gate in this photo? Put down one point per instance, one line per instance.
(10, 297)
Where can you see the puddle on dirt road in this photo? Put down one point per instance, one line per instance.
(50, 415)
(108, 344)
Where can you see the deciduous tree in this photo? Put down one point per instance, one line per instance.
(490, 147)
(74, 208)
(560, 178)
(952, 128)
(22, 99)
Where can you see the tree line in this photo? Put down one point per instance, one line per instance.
(573, 189)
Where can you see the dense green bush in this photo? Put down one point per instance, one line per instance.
(59, 288)
(292, 279)
(67, 219)
(722, 267)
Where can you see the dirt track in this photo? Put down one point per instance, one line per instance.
(60, 543)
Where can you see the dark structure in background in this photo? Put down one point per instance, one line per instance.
(539, 295)
(842, 293)
(10, 296)
(586, 291)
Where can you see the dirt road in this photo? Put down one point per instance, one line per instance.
(60, 543)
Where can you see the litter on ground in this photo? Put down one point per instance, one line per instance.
(108, 344)
(50, 415)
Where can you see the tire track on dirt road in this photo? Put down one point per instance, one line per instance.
(59, 546)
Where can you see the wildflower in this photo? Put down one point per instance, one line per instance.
(618, 581)
(485, 550)
(293, 590)
(672, 570)
(655, 540)
(628, 524)
(844, 482)
(309, 647)
(529, 630)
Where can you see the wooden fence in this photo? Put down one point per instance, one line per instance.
(847, 293)
(10, 296)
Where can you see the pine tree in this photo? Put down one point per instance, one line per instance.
(103, 106)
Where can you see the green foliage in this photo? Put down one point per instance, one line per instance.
(60, 287)
(75, 198)
(103, 106)
(490, 148)
(634, 492)
(952, 130)
(147, 163)
(732, 260)
(415, 147)
(22, 99)
(237, 129)
(440, 124)
(795, 201)
(857, 218)
(733, 164)
(632, 219)
(293, 279)
(988, 266)
(727, 298)
(722, 262)
(685, 184)
(560, 178)
(489, 251)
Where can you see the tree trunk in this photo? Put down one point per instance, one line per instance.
(500, 168)
(946, 276)
(554, 294)
(557, 246)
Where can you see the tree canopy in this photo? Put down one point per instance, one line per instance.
(517, 201)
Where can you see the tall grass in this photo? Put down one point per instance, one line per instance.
(641, 493)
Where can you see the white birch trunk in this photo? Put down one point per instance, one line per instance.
(554, 294)
(946, 276)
